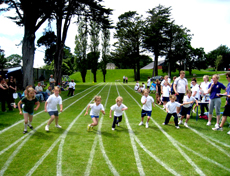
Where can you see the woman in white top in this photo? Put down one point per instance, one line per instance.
(204, 93)
(195, 92)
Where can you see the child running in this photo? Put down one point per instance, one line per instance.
(95, 111)
(28, 110)
(171, 110)
(187, 106)
(147, 102)
(51, 107)
(118, 109)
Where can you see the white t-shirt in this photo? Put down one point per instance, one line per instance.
(148, 82)
(51, 80)
(148, 105)
(180, 84)
(136, 87)
(143, 86)
(70, 84)
(39, 88)
(166, 91)
(95, 110)
(171, 106)
(137, 84)
(196, 88)
(204, 87)
(163, 81)
(118, 109)
(74, 84)
(187, 99)
(53, 101)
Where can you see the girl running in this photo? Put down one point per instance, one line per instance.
(95, 111)
(29, 101)
(51, 107)
(118, 109)
(147, 102)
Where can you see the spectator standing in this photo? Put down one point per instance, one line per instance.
(215, 101)
(4, 95)
(124, 79)
(204, 93)
(41, 80)
(180, 87)
(12, 88)
(52, 81)
(70, 88)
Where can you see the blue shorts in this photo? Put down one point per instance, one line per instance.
(55, 113)
(146, 113)
(180, 98)
(165, 99)
(93, 116)
(24, 112)
(185, 111)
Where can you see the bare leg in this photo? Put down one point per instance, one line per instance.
(51, 119)
(224, 118)
(56, 120)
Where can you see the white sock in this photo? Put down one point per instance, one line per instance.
(25, 127)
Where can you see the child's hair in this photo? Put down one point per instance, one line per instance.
(188, 91)
(143, 83)
(194, 79)
(56, 88)
(119, 98)
(148, 77)
(207, 77)
(30, 89)
(172, 97)
(174, 77)
(97, 97)
(144, 91)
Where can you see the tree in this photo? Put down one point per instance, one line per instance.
(218, 61)
(129, 31)
(13, 60)
(155, 38)
(94, 55)
(3, 60)
(30, 14)
(81, 48)
(105, 49)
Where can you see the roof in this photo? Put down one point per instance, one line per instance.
(150, 66)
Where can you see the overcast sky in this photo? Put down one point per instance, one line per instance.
(208, 20)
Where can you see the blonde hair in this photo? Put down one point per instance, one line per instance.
(97, 97)
(206, 76)
(119, 98)
(56, 88)
(166, 76)
(188, 91)
(217, 76)
(144, 91)
(30, 89)
(172, 97)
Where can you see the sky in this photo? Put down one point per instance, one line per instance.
(208, 21)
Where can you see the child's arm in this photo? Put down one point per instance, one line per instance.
(61, 107)
(103, 112)
(123, 109)
(110, 113)
(153, 104)
(19, 107)
(46, 106)
(87, 110)
(188, 102)
(38, 104)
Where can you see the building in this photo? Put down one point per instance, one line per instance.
(151, 65)
(110, 66)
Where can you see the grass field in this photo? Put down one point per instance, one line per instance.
(117, 75)
(129, 150)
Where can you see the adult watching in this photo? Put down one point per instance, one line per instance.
(215, 101)
(52, 81)
(180, 86)
(204, 93)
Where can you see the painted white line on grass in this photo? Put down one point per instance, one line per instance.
(26, 135)
(215, 140)
(173, 141)
(32, 170)
(204, 157)
(10, 159)
(21, 121)
(131, 135)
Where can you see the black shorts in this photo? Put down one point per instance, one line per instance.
(226, 110)
(55, 113)
(165, 99)
(184, 111)
(180, 98)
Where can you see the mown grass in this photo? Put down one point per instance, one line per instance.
(117, 75)
(78, 143)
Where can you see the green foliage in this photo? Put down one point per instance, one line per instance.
(3, 60)
(218, 61)
(13, 60)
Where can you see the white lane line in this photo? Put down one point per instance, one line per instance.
(39, 162)
(208, 159)
(131, 135)
(173, 141)
(98, 137)
(204, 157)
(10, 159)
(215, 140)
(21, 121)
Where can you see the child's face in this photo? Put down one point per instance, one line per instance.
(56, 92)
(98, 101)
(172, 99)
(189, 94)
(119, 103)
(31, 94)
(146, 94)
